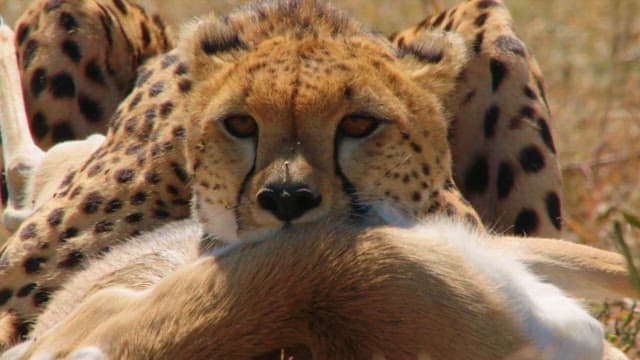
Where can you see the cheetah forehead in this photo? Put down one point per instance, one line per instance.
(253, 24)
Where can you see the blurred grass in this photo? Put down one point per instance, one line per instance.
(589, 51)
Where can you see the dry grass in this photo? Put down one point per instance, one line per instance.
(589, 51)
(590, 54)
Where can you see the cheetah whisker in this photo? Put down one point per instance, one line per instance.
(387, 173)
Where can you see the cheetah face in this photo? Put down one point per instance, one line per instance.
(298, 129)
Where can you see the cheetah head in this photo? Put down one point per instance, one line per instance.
(302, 114)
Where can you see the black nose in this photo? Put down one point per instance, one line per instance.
(287, 201)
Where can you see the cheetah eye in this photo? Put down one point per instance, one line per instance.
(358, 126)
(241, 126)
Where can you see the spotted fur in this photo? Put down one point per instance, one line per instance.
(78, 60)
(304, 67)
(504, 155)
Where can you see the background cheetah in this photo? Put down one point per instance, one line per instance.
(544, 210)
(61, 64)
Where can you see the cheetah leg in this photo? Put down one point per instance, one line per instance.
(20, 154)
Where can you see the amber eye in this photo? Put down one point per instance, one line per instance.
(358, 126)
(241, 126)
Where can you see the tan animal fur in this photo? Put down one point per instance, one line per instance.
(343, 293)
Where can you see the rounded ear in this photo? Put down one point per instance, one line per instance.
(210, 42)
(436, 60)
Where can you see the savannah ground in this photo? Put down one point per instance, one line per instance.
(589, 52)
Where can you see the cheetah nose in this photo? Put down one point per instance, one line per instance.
(287, 201)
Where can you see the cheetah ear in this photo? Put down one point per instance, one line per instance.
(210, 42)
(436, 60)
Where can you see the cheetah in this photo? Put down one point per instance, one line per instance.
(72, 86)
(511, 176)
(346, 146)
(61, 62)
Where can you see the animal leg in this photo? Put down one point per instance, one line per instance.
(20, 154)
